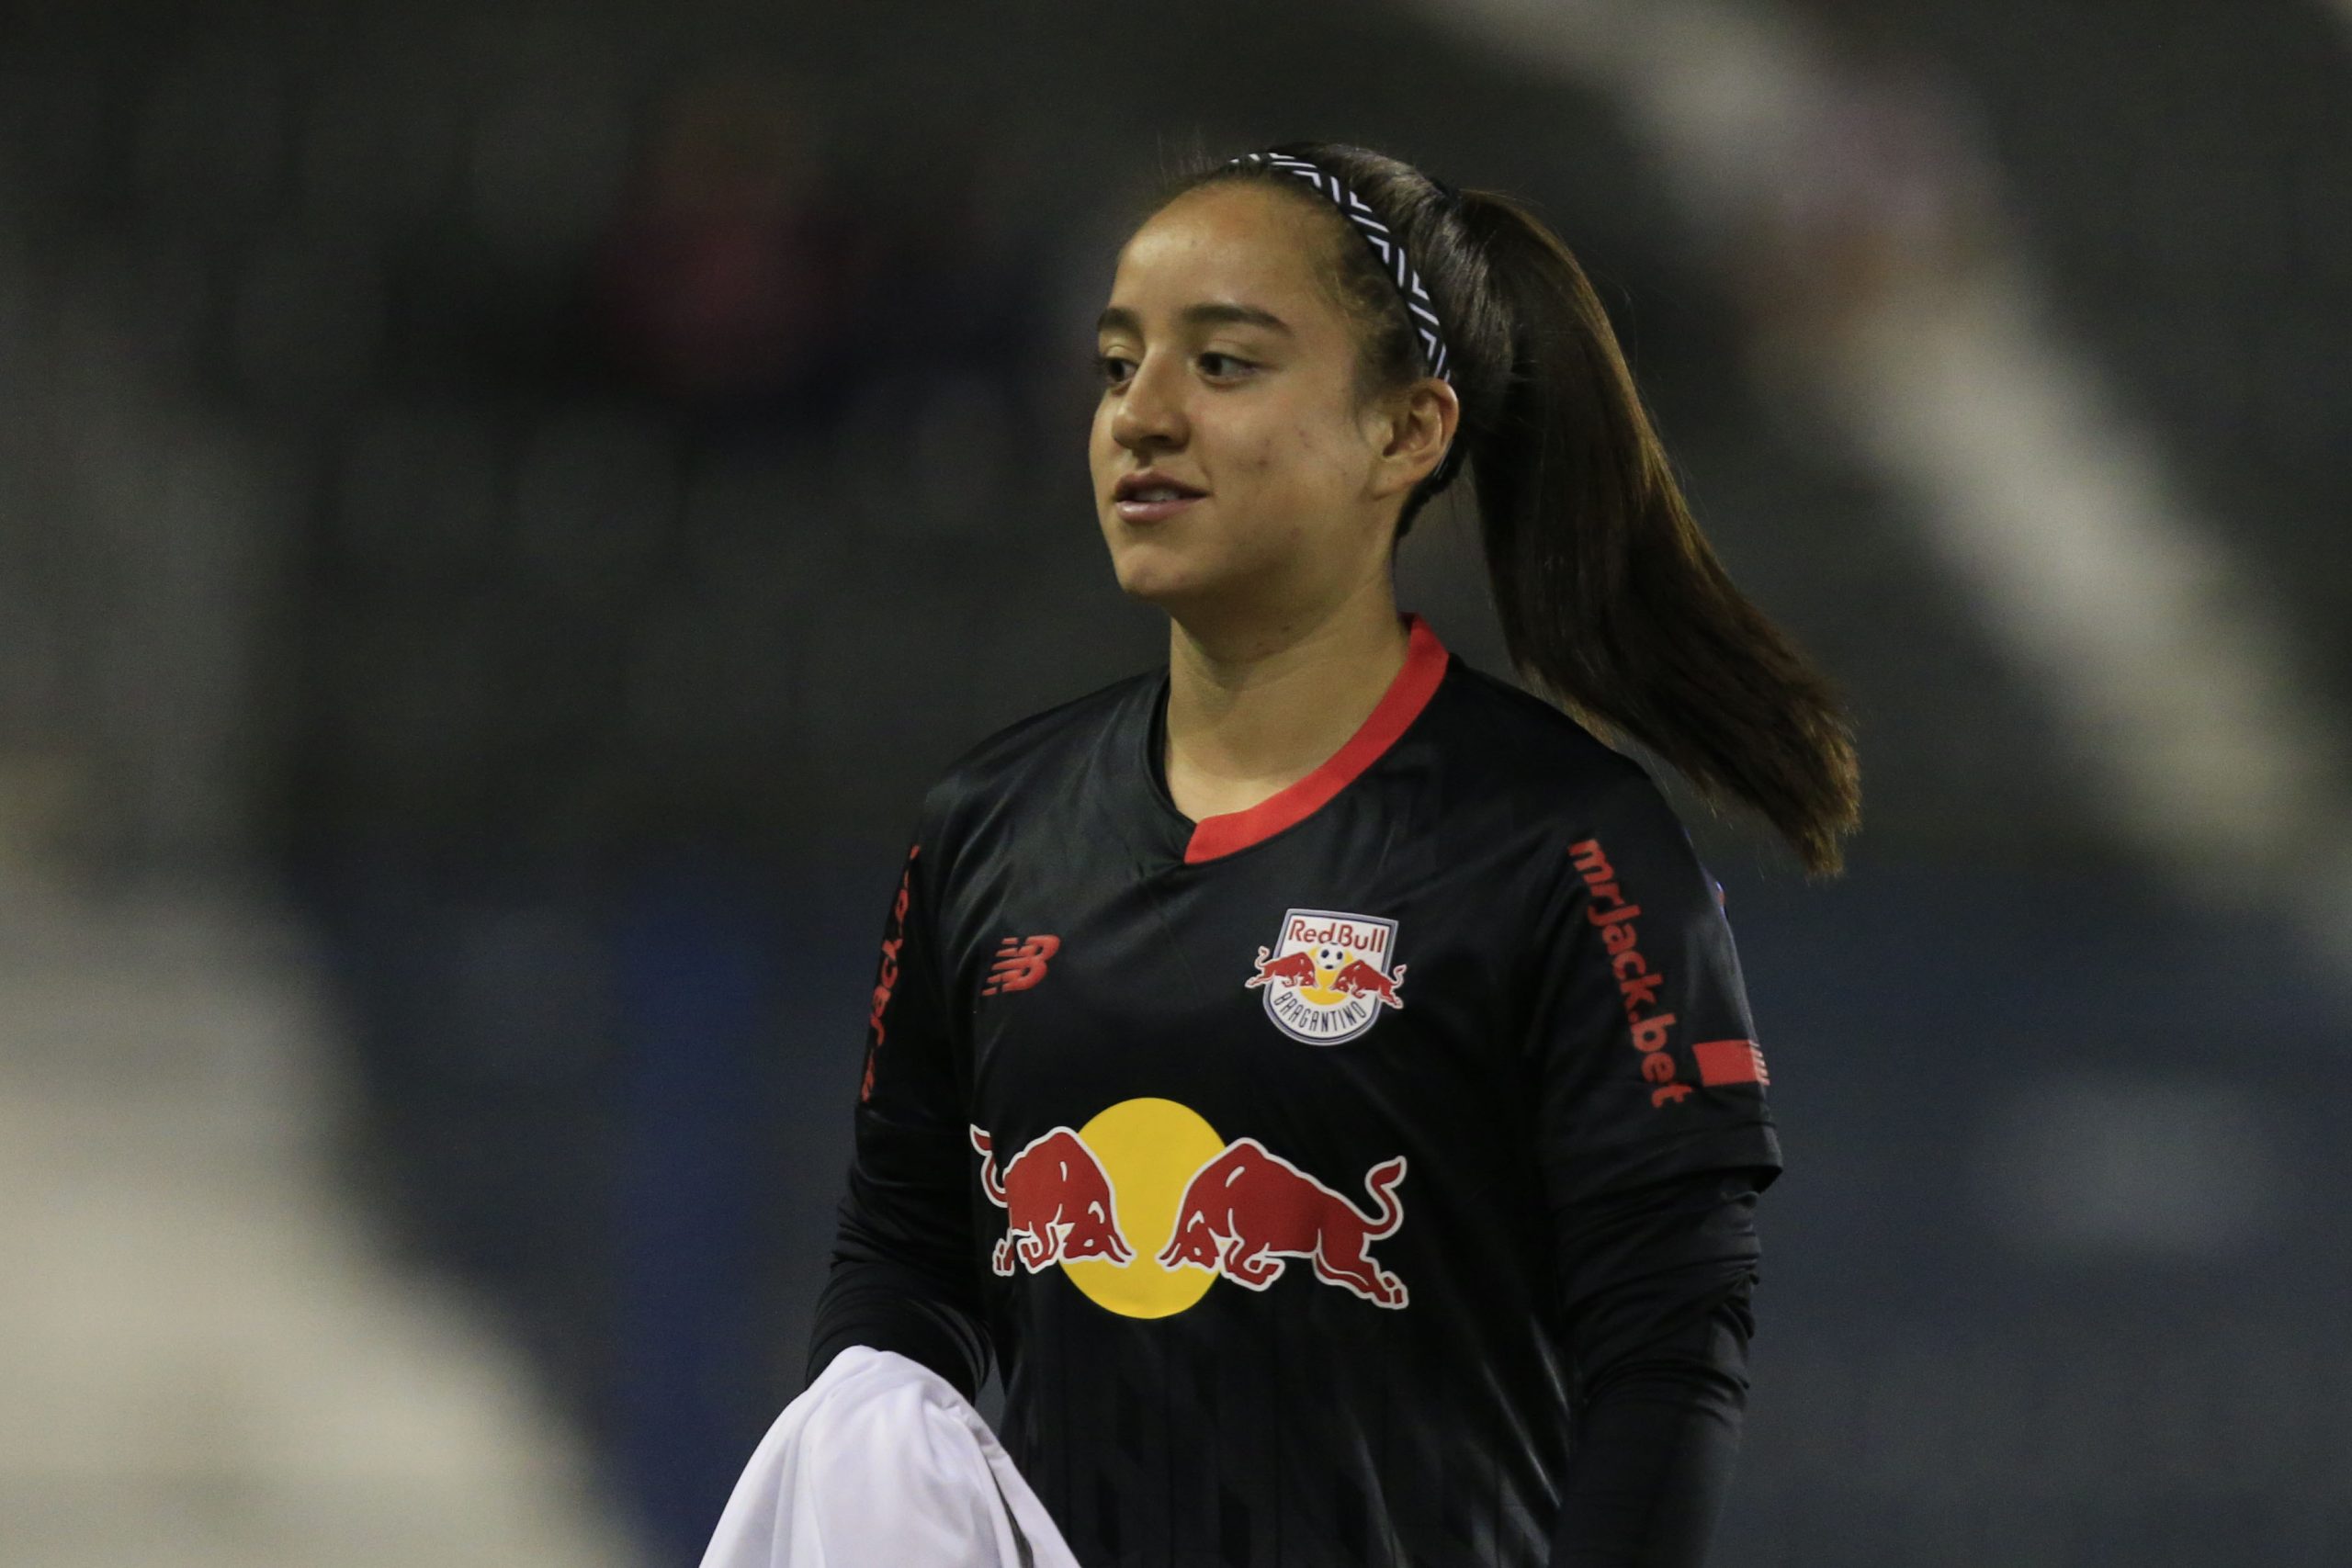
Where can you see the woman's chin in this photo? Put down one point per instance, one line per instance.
(1158, 576)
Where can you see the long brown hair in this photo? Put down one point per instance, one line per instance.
(1611, 601)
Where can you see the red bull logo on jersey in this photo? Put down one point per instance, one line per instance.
(1146, 1207)
(1249, 1209)
(1057, 1200)
(1329, 975)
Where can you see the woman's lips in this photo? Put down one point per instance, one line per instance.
(1154, 511)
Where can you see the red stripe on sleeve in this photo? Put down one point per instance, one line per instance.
(1730, 1061)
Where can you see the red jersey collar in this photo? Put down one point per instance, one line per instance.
(1408, 695)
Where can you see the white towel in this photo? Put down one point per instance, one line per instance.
(880, 1464)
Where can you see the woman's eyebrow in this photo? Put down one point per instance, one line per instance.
(1119, 318)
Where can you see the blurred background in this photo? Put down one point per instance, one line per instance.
(504, 508)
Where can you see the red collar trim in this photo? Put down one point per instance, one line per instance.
(1408, 695)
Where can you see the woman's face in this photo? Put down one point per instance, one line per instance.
(1229, 370)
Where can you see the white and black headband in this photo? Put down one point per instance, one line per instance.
(1389, 247)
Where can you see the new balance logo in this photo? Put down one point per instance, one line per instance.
(1019, 963)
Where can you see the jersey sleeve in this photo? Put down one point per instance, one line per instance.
(1662, 1282)
(1645, 1060)
(902, 1276)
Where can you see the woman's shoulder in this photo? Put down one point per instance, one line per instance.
(1541, 768)
(1574, 804)
(1044, 746)
(1518, 741)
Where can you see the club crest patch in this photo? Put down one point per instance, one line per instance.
(1329, 974)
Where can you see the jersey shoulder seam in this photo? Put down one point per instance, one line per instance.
(1041, 739)
(1542, 744)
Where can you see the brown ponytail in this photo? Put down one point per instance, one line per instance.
(1612, 600)
(1610, 596)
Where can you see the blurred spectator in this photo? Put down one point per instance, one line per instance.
(728, 262)
(1882, 185)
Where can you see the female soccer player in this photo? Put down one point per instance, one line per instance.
(1320, 1070)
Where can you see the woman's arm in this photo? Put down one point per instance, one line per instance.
(1654, 1139)
(903, 1276)
(1658, 1330)
(871, 1297)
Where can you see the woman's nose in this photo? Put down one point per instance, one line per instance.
(1151, 410)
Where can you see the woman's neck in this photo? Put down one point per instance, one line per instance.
(1254, 709)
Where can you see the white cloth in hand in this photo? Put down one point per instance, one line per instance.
(880, 1464)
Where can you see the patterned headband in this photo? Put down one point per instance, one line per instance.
(1391, 249)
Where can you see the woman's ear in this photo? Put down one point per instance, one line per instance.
(1415, 428)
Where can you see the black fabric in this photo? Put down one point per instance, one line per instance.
(874, 1301)
(1279, 1272)
(902, 1278)
(1657, 1334)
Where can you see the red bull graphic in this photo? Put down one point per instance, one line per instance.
(1290, 969)
(1329, 975)
(1231, 1210)
(1058, 1203)
(1249, 1209)
(1361, 979)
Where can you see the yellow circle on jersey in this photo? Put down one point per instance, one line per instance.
(1149, 1149)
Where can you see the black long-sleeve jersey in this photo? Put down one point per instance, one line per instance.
(1295, 1160)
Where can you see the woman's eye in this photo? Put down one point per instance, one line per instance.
(1114, 369)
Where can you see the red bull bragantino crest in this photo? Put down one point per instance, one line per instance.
(1329, 974)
